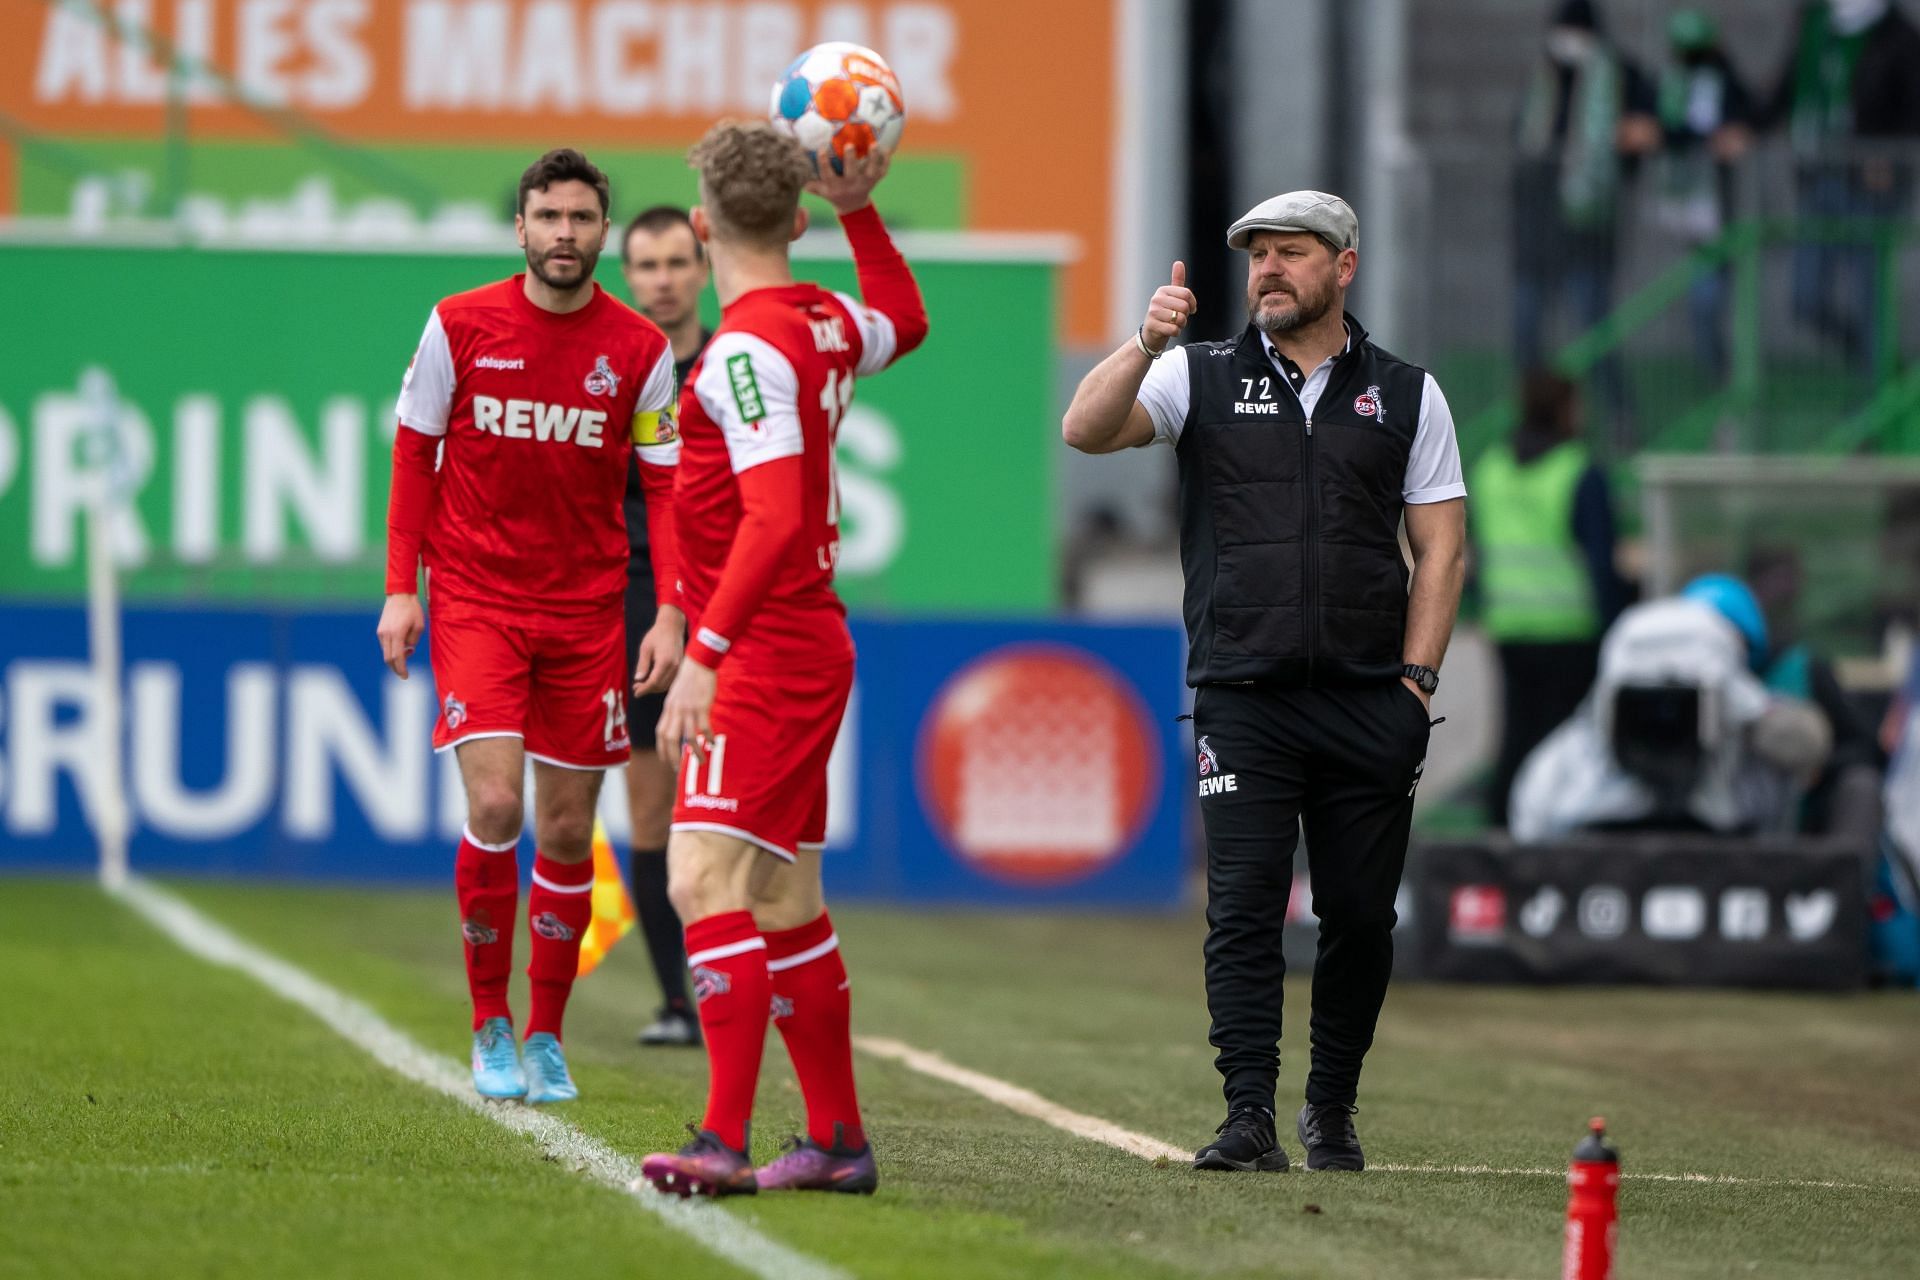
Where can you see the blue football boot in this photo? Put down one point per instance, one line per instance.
(547, 1076)
(496, 1065)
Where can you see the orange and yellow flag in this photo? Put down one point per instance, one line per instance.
(612, 908)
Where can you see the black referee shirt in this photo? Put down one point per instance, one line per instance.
(636, 500)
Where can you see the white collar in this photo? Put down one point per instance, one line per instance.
(1273, 352)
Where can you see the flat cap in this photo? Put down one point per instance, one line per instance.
(1311, 211)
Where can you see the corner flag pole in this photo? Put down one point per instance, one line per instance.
(112, 821)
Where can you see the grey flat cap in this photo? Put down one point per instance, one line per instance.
(1311, 211)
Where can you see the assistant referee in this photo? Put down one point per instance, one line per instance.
(1301, 448)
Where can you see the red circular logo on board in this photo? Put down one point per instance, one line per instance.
(1038, 764)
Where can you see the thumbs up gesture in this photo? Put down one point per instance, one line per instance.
(1168, 311)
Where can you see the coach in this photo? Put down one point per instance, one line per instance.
(1301, 447)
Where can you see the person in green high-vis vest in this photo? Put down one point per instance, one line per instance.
(1543, 536)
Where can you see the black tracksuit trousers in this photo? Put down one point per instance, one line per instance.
(1344, 762)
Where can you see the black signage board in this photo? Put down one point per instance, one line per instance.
(1642, 907)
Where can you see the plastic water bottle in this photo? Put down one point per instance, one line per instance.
(1593, 1216)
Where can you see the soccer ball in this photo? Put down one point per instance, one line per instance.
(839, 97)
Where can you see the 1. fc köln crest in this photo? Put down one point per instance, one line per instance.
(603, 381)
(1369, 404)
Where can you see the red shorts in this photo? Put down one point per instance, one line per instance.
(765, 776)
(557, 686)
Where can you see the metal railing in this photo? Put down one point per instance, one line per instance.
(1790, 382)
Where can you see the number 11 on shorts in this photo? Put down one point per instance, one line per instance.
(716, 761)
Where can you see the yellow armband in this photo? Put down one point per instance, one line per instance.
(655, 427)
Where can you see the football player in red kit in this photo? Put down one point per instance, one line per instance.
(518, 417)
(753, 712)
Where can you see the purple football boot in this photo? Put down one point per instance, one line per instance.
(808, 1166)
(704, 1167)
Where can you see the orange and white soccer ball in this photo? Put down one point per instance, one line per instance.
(839, 98)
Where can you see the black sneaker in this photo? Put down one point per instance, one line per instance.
(673, 1026)
(1246, 1144)
(1326, 1131)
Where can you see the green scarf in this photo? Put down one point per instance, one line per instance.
(1823, 80)
(1589, 161)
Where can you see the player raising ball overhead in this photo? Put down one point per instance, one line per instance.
(751, 716)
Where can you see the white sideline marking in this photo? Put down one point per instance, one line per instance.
(1094, 1129)
(718, 1231)
(1024, 1101)
(1720, 1179)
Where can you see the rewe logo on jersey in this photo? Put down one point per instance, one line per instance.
(603, 381)
(538, 420)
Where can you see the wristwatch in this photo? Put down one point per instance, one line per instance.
(1426, 677)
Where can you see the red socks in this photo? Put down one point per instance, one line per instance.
(812, 1008)
(486, 880)
(728, 959)
(559, 909)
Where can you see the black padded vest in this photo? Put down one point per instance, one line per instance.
(1290, 529)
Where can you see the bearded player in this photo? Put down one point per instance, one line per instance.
(531, 393)
(751, 716)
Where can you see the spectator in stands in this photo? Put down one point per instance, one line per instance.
(1679, 733)
(1543, 537)
(1587, 112)
(1849, 97)
(1706, 118)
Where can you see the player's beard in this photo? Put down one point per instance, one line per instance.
(1309, 305)
(586, 261)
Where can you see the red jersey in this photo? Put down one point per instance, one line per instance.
(537, 414)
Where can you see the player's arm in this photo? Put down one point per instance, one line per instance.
(656, 441)
(1109, 412)
(426, 400)
(752, 392)
(891, 314)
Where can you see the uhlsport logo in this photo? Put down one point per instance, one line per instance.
(709, 982)
(1038, 765)
(551, 927)
(500, 362)
(1370, 405)
(1212, 780)
(478, 934)
(455, 712)
(782, 1008)
(603, 381)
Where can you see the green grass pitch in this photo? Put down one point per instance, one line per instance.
(160, 1117)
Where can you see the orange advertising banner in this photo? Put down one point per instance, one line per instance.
(1019, 97)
